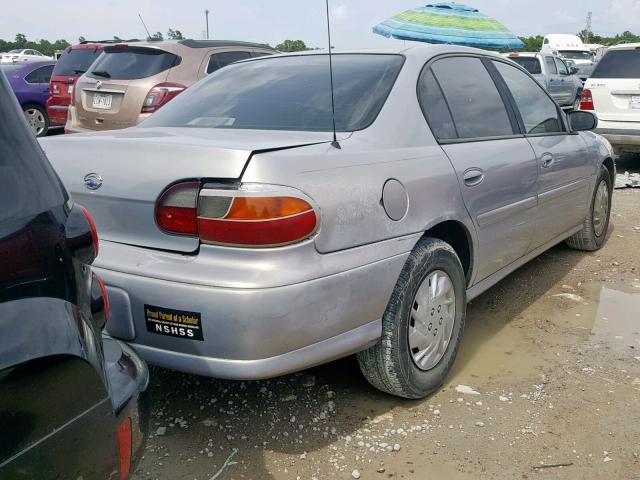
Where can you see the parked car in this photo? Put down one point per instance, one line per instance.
(73, 62)
(553, 74)
(30, 83)
(570, 47)
(129, 82)
(613, 94)
(21, 55)
(71, 401)
(241, 241)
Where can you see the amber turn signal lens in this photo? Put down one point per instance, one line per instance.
(266, 208)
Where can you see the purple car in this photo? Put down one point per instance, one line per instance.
(30, 83)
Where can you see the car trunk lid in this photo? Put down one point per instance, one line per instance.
(135, 166)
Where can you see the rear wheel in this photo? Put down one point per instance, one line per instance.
(596, 223)
(37, 119)
(422, 326)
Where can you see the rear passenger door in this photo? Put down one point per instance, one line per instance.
(555, 86)
(566, 83)
(563, 158)
(496, 167)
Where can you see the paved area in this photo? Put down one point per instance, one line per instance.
(547, 385)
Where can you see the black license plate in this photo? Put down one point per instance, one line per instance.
(173, 323)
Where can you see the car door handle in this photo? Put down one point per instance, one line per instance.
(547, 160)
(473, 177)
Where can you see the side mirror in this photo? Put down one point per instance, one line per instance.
(581, 121)
(574, 70)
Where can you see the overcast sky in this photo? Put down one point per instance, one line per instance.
(272, 21)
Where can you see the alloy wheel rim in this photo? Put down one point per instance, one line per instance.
(35, 119)
(600, 208)
(431, 320)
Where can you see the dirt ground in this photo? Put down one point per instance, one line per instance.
(548, 374)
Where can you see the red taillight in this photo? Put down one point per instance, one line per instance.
(586, 100)
(231, 217)
(161, 94)
(176, 209)
(259, 221)
(94, 232)
(124, 445)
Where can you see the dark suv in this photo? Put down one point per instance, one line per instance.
(72, 401)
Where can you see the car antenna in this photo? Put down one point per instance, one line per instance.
(334, 143)
(145, 27)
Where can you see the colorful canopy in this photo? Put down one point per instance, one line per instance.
(451, 23)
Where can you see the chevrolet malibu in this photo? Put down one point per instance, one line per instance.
(240, 239)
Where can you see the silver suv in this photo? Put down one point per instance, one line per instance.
(240, 239)
(553, 74)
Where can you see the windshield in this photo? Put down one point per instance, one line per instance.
(619, 64)
(530, 64)
(576, 55)
(286, 93)
(131, 63)
(76, 61)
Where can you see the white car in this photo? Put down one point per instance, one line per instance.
(23, 55)
(613, 94)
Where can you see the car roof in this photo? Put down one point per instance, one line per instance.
(418, 51)
(175, 46)
(27, 67)
(625, 46)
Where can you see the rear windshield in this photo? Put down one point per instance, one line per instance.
(76, 61)
(575, 55)
(286, 93)
(131, 63)
(530, 64)
(10, 69)
(619, 64)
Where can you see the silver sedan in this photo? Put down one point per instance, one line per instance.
(238, 239)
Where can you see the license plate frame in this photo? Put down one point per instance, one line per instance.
(102, 101)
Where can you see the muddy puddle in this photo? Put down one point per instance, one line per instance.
(499, 345)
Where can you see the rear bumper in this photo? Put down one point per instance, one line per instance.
(622, 140)
(58, 113)
(71, 123)
(277, 313)
(128, 378)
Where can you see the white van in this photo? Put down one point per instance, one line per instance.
(570, 47)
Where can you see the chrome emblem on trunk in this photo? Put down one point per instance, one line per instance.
(92, 181)
(98, 85)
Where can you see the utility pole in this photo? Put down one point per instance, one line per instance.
(206, 14)
(587, 30)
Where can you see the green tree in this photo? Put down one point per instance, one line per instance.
(174, 34)
(81, 39)
(21, 41)
(292, 46)
(156, 36)
(117, 38)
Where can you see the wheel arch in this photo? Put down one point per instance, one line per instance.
(610, 165)
(456, 234)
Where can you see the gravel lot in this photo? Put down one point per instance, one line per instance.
(548, 375)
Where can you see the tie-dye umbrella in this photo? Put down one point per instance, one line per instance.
(451, 23)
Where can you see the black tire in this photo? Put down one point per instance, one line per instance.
(37, 130)
(587, 239)
(389, 365)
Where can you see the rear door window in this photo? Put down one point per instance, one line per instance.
(539, 113)
(132, 63)
(476, 106)
(435, 107)
(76, 61)
(222, 59)
(551, 65)
(40, 75)
(619, 64)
